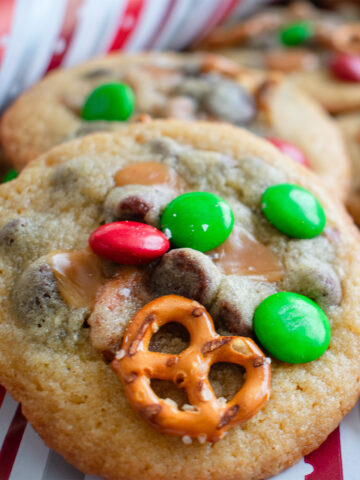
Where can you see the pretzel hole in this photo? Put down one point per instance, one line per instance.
(171, 338)
(166, 389)
(226, 379)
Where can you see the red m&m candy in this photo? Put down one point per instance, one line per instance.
(129, 243)
(346, 67)
(290, 150)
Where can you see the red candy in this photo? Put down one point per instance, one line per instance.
(129, 243)
(290, 150)
(346, 67)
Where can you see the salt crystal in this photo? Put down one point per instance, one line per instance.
(186, 439)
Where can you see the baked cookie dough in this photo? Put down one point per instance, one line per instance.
(301, 41)
(349, 124)
(64, 310)
(186, 86)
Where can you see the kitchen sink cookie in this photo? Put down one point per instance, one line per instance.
(318, 49)
(104, 93)
(349, 124)
(145, 271)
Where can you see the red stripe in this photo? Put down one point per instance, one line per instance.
(218, 16)
(163, 22)
(326, 460)
(6, 15)
(67, 32)
(11, 444)
(2, 394)
(129, 21)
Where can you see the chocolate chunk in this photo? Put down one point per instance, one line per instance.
(37, 302)
(97, 73)
(220, 97)
(17, 238)
(236, 302)
(314, 279)
(137, 202)
(186, 272)
(230, 102)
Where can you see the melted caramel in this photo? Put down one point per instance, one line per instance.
(78, 275)
(242, 254)
(149, 173)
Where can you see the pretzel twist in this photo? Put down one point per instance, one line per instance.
(189, 370)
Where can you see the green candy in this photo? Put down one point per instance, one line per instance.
(292, 327)
(198, 220)
(293, 210)
(296, 33)
(10, 175)
(111, 101)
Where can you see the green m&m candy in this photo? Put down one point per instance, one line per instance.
(198, 220)
(293, 210)
(111, 101)
(10, 175)
(296, 33)
(292, 327)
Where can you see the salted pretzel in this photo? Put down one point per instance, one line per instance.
(209, 418)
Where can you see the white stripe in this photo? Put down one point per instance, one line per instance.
(296, 472)
(48, 20)
(201, 13)
(93, 22)
(7, 412)
(350, 440)
(113, 22)
(148, 23)
(31, 457)
(175, 21)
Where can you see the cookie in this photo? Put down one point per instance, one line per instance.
(65, 309)
(349, 124)
(184, 86)
(303, 42)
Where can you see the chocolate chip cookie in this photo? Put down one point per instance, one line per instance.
(192, 87)
(76, 326)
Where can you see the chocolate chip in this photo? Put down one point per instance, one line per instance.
(314, 279)
(97, 73)
(230, 102)
(138, 203)
(188, 273)
(37, 301)
(236, 302)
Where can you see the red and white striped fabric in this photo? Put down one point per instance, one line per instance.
(36, 36)
(23, 454)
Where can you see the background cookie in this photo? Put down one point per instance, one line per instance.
(185, 86)
(302, 41)
(68, 391)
